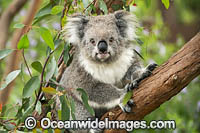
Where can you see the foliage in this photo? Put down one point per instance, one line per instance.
(44, 44)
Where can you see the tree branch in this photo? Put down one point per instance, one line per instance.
(166, 81)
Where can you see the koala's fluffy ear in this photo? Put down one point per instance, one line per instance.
(73, 31)
(127, 24)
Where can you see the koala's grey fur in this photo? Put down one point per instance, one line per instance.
(103, 77)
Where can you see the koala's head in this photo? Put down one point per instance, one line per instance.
(101, 39)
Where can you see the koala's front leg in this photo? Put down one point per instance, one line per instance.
(146, 73)
(134, 84)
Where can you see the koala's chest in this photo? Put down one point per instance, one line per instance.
(109, 75)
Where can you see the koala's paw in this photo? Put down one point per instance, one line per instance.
(151, 67)
(131, 86)
(128, 106)
(148, 71)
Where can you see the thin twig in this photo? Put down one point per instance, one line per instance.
(8, 120)
(89, 5)
(67, 6)
(42, 77)
(26, 63)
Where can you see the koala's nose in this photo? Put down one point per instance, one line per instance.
(102, 46)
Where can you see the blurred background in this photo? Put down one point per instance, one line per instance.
(163, 32)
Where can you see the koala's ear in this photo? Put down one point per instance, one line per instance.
(127, 24)
(73, 31)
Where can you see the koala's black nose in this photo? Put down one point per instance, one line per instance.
(102, 46)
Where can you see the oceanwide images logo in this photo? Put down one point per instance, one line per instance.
(46, 123)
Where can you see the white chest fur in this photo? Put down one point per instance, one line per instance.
(109, 73)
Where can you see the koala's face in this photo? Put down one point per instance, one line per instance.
(101, 41)
(102, 38)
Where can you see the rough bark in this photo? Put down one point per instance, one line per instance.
(166, 81)
(6, 19)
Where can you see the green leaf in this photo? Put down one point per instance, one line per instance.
(86, 3)
(49, 115)
(72, 105)
(127, 97)
(65, 111)
(148, 3)
(19, 25)
(31, 86)
(103, 6)
(37, 66)
(63, 21)
(66, 53)
(47, 37)
(84, 98)
(5, 52)
(11, 76)
(116, 7)
(23, 42)
(38, 108)
(59, 115)
(9, 126)
(24, 107)
(43, 12)
(49, 90)
(166, 3)
(26, 113)
(57, 9)
(51, 68)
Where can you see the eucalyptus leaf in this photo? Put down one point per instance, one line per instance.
(10, 77)
(57, 9)
(65, 110)
(86, 3)
(37, 66)
(84, 98)
(72, 105)
(43, 12)
(5, 52)
(49, 90)
(24, 107)
(166, 3)
(19, 25)
(27, 113)
(31, 86)
(148, 3)
(51, 69)
(9, 126)
(66, 53)
(23, 42)
(103, 7)
(38, 108)
(47, 37)
(127, 97)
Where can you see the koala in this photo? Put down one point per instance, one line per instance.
(104, 63)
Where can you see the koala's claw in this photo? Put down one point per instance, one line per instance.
(131, 86)
(151, 67)
(131, 102)
(127, 108)
(148, 71)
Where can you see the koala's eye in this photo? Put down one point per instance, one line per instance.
(111, 39)
(92, 41)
